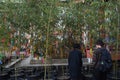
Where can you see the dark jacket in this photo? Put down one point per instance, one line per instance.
(103, 54)
(103, 64)
(75, 63)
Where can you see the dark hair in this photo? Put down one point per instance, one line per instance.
(98, 51)
(100, 42)
(76, 45)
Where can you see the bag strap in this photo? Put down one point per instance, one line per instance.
(99, 58)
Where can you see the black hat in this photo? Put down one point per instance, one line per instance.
(76, 45)
(100, 42)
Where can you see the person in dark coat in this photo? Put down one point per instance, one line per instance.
(75, 63)
(101, 55)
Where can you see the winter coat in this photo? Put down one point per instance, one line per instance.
(75, 63)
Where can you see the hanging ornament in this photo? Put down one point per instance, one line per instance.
(3, 40)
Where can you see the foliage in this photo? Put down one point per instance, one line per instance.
(42, 17)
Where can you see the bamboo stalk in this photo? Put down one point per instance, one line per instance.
(47, 41)
(117, 38)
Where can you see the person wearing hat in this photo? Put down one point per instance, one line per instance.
(75, 62)
(102, 61)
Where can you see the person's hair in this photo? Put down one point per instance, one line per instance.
(76, 46)
(97, 51)
(100, 42)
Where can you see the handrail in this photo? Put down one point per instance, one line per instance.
(12, 63)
